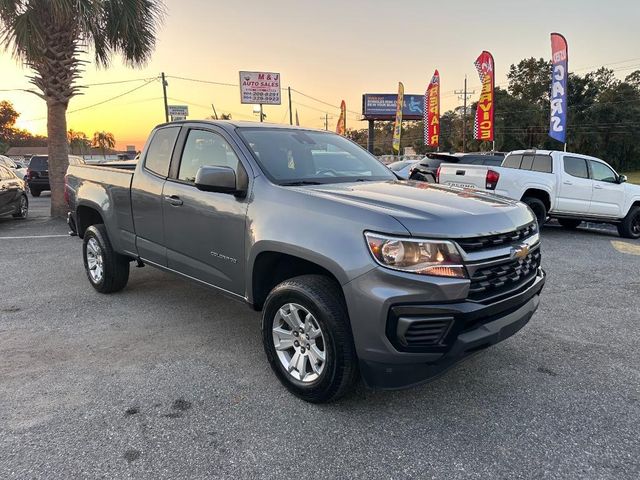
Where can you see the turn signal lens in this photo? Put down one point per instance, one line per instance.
(424, 257)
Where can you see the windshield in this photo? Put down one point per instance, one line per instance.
(289, 156)
(397, 166)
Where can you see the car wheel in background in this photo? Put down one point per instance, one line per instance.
(35, 193)
(538, 208)
(23, 208)
(569, 223)
(630, 226)
(308, 340)
(107, 270)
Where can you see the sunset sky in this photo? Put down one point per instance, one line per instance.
(331, 50)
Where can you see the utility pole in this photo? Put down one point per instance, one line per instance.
(464, 96)
(326, 119)
(215, 114)
(164, 93)
(290, 111)
(261, 114)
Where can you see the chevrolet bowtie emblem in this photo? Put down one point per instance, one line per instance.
(520, 252)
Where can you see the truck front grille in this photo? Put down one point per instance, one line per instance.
(493, 281)
(492, 241)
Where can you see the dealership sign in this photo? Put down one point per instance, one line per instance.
(382, 106)
(260, 88)
(559, 74)
(178, 111)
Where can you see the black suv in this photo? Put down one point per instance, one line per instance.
(426, 169)
(38, 172)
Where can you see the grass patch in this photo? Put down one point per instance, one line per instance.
(634, 177)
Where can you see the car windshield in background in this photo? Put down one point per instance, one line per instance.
(397, 166)
(293, 156)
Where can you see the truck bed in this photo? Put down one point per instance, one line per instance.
(106, 185)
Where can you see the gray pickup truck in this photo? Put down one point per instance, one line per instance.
(357, 273)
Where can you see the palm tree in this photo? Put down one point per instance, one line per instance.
(49, 36)
(103, 140)
(78, 142)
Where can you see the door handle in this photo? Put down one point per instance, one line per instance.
(174, 200)
(598, 187)
(567, 182)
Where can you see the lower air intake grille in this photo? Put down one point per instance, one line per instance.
(421, 333)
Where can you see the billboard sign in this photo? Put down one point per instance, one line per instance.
(260, 88)
(382, 106)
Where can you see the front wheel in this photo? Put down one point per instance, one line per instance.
(308, 340)
(107, 270)
(630, 226)
(538, 208)
(23, 208)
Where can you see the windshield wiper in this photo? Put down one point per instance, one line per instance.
(299, 182)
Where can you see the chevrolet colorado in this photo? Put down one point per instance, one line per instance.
(356, 272)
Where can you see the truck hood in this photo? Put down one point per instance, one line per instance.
(427, 209)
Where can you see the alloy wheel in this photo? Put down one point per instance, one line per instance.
(299, 342)
(95, 261)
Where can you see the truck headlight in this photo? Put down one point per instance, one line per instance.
(424, 257)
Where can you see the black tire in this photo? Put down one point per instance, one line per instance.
(115, 266)
(538, 208)
(35, 193)
(569, 223)
(22, 213)
(322, 297)
(421, 177)
(630, 226)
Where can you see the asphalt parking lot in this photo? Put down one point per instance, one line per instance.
(168, 379)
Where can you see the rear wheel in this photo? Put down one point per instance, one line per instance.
(630, 226)
(538, 208)
(35, 192)
(23, 208)
(307, 338)
(569, 223)
(107, 270)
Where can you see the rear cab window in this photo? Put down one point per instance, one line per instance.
(512, 161)
(158, 156)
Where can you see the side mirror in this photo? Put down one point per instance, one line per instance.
(218, 179)
(622, 179)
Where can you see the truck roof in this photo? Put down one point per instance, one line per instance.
(233, 124)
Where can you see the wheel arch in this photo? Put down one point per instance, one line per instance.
(540, 194)
(87, 215)
(272, 266)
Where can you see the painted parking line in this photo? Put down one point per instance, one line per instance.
(33, 236)
(624, 247)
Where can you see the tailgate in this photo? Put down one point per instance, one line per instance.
(463, 176)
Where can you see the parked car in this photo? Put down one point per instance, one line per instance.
(38, 172)
(19, 170)
(402, 167)
(355, 271)
(567, 186)
(13, 196)
(427, 168)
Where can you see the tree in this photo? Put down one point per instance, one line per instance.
(8, 117)
(49, 36)
(78, 142)
(104, 141)
(529, 80)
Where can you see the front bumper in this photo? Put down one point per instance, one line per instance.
(473, 326)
